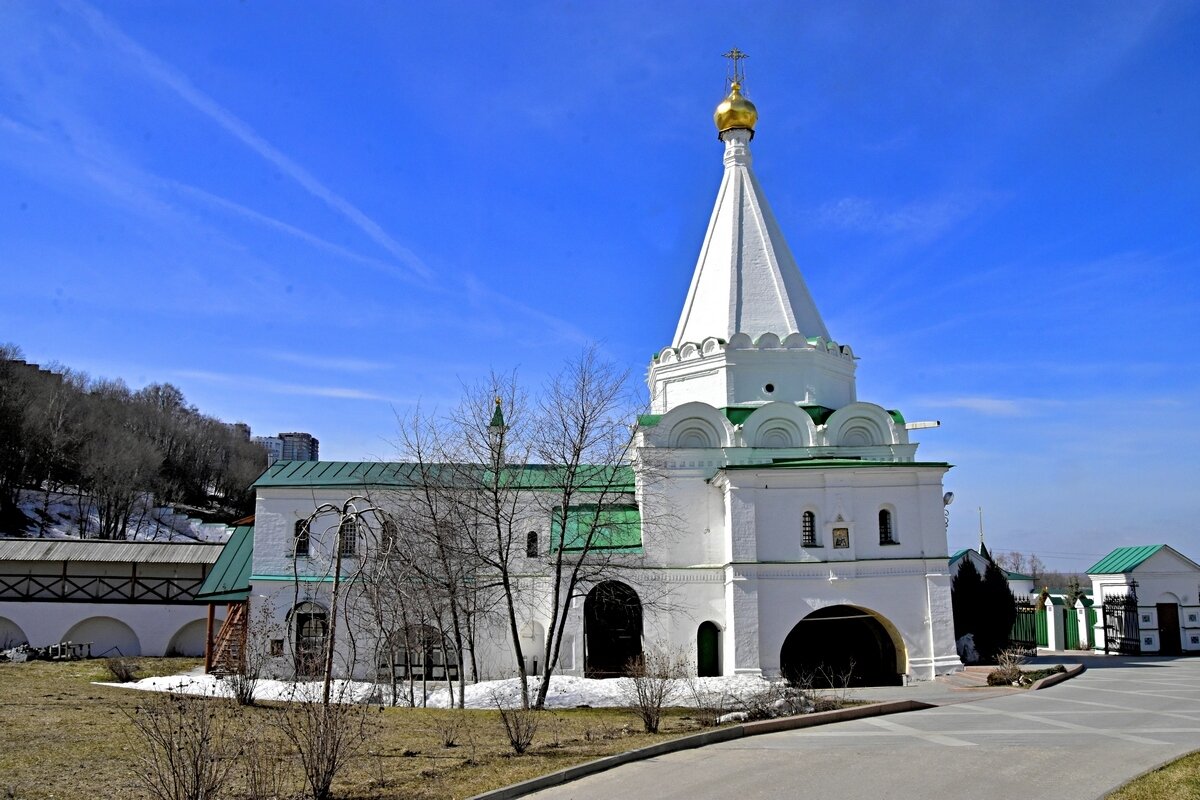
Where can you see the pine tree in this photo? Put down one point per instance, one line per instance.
(966, 591)
(997, 613)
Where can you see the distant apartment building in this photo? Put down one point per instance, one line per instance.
(240, 429)
(294, 446)
(272, 444)
(299, 447)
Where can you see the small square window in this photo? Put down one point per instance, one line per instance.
(1196, 640)
(1148, 641)
(1145, 617)
(1191, 617)
(277, 647)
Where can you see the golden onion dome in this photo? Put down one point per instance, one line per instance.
(735, 111)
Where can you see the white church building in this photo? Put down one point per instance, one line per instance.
(806, 532)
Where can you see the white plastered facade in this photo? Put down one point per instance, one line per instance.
(755, 424)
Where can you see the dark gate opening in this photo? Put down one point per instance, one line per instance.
(612, 628)
(839, 645)
(708, 655)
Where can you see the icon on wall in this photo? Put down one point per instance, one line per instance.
(841, 537)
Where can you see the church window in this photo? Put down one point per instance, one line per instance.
(388, 533)
(887, 534)
(347, 538)
(531, 544)
(808, 528)
(300, 539)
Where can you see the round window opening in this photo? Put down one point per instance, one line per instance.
(770, 387)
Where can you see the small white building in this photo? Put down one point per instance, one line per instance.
(1166, 587)
(125, 598)
(805, 530)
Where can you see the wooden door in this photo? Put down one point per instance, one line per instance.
(1168, 629)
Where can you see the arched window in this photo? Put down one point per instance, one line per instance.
(347, 537)
(887, 534)
(808, 528)
(300, 539)
(531, 544)
(387, 534)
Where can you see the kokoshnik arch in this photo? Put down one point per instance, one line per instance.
(806, 535)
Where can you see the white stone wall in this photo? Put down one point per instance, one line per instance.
(133, 629)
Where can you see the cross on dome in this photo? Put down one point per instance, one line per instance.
(736, 73)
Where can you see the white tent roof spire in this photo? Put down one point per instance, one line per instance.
(746, 280)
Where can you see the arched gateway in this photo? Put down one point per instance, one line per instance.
(612, 628)
(837, 641)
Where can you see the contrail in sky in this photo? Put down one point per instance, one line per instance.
(178, 83)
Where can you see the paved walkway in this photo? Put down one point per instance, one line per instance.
(1078, 740)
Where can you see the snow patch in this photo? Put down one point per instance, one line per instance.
(566, 691)
(64, 515)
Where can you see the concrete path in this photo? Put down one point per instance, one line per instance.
(1077, 740)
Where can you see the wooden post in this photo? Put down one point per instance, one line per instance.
(208, 640)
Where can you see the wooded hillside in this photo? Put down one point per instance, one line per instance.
(61, 430)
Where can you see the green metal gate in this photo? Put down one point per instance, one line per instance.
(1043, 636)
(1070, 621)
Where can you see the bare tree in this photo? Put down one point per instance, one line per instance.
(584, 437)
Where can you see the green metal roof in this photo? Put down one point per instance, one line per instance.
(590, 477)
(615, 528)
(229, 580)
(1124, 559)
(1017, 576)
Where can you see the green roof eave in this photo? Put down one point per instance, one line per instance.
(648, 420)
(1124, 559)
(838, 463)
(896, 416)
(397, 474)
(229, 579)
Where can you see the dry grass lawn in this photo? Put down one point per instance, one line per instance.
(1179, 780)
(63, 737)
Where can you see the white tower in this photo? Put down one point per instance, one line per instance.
(747, 306)
(807, 533)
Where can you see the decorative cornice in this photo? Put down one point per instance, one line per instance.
(691, 351)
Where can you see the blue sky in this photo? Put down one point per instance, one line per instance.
(310, 216)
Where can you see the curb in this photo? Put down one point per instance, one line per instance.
(700, 740)
(1053, 680)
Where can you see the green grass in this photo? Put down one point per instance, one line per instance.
(60, 735)
(1179, 780)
